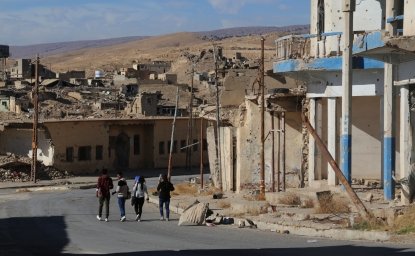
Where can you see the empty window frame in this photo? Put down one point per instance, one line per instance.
(69, 154)
(161, 148)
(99, 152)
(84, 153)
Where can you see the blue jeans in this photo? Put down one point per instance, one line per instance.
(121, 205)
(166, 202)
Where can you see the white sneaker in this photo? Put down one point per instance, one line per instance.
(106, 219)
(138, 217)
(123, 218)
(161, 218)
(167, 219)
(99, 218)
(138, 220)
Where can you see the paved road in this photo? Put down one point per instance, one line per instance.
(64, 223)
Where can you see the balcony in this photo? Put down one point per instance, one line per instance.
(312, 52)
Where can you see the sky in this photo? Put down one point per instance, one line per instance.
(26, 22)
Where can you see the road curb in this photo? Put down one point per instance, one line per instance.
(338, 234)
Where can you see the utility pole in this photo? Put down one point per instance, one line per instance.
(172, 135)
(35, 97)
(201, 153)
(346, 137)
(262, 154)
(190, 126)
(219, 161)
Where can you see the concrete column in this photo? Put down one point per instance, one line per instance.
(319, 130)
(331, 138)
(388, 115)
(311, 142)
(405, 138)
(346, 129)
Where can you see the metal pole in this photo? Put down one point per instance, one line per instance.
(262, 154)
(279, 154)
(172, 135)
(219, 160)
(346, 137)
(283, 149)
(201, 153)
(326, 154)
(190, 127)
(35, 122)
(272, 153)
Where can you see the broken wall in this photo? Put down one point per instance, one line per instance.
(409, 18)
(248, 148)
(18, 140)
(369, 15)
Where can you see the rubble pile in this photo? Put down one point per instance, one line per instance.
(17, 169)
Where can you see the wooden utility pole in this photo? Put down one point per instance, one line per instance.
(262, 154)
(172, 135)
(35, 97)
(218, 145)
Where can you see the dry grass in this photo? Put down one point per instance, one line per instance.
(185, 189)
(405, 223)
(258, 197)
(290, 199)
(333, 205)
(307, 203)
(371, 224)
(224, 204)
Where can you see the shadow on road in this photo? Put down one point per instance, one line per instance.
(47, 236)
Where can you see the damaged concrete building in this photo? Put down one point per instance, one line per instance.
(83, 146)
(382, 122)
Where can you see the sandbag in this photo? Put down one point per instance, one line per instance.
(194, 215)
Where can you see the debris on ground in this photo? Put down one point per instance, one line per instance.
(195, 214)
(15, 168)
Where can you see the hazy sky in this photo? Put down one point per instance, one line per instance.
(26, 22)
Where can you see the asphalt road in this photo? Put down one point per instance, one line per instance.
(64, 223)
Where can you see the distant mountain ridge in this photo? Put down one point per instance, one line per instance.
(246, 31)
(29, 51)
(48, 49)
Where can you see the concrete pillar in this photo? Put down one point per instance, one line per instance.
(311, 142)
(331, 138)
(388, 115)
(346, 129)
(319, 130)
(405, 138)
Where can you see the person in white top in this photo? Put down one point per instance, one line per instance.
(140, 193)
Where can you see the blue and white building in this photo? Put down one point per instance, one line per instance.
(383, 72)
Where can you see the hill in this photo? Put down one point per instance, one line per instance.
(29, 51)
(48, 49)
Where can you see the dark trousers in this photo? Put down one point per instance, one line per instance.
(166, 202)
(104, 200)
(138, 206)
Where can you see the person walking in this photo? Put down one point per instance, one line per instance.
(122, 191)
(164, 188)
(140, 193)
(104, 186)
